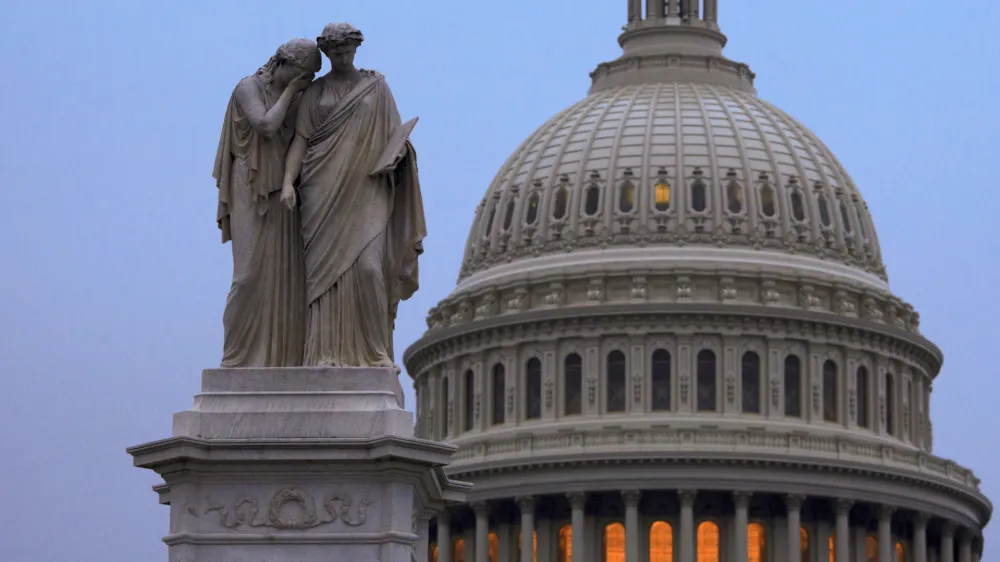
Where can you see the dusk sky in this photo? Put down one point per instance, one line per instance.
(114, 278)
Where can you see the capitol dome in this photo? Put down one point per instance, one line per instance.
(673, 339)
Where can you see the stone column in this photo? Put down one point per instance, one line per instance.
(712, 11)
(885, 546)
(444, 537)
(423, 545)
(634, 10)
(842, 549)
(794, 505)
(482, 512)
(920, 537)
(545, 539)
(577, 503)
(948, 542)
(687, 531)
(632, 530)
(964, 546)
(741, 520)
(527, 505)
(505, 536)
(673, 8)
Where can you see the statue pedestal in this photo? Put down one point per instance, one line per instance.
(299, 464)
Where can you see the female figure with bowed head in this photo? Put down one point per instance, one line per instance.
(264, 320)
(362, 228)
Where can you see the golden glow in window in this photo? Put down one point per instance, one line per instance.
(566, 544)
(661, 542)
(804, 543)
(434, 553)
(662, 196)
(494, 547)
(459, 551)
(614, 543)
(871, 549)
(708, 542)
(833, 547)
(756, 544)
(900, 553)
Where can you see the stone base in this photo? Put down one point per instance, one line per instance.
(299, 464)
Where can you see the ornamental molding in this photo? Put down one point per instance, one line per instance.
(306, 513)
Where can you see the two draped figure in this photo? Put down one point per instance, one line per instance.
(325, 240)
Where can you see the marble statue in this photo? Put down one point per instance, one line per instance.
(264, 319)
(362, 220)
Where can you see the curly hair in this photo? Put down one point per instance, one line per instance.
(300, 52)
(337, 34)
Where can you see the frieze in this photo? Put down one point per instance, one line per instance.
(291, 509)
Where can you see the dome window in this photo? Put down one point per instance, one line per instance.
(531, 213)
(798, 206)
(559, 202)
(890, 404)
(661, 542)
(767, 206)
(699, 195)
(734, 196)
(844, 216)
(861, 224)
(706, 381)
(750, 379)
(499, 388)
(830, 401)
(592, 200)
(824, 206)
(862, 388)
(661, 196)
(661, 380)
(793, 387)
(573, 375)
(489, 221)
(616, 382)
(508, 217)
(470, 397)
(626, 197)
(533, 389)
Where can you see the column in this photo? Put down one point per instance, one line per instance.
(673, 8)
(634, 10)
(423, 546)
(577, 503)
(546, 548)
(885, 550)
(712, 11)
(632, 530)
(965, 546)
(947, 542)
(794, 505)
(687, 530)
(482, 532)
(842, 548)
(444, 537)
(920, 537)
(527, 505)
(505, 536)
(693, 9)
(741, 501)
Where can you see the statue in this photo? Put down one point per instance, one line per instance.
(362, 222)
(264, 319)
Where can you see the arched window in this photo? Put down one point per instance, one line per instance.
(890, 403)
(832, 544)
(508, 217)
(861, 223)
(706, 381)
(756, 543)
(793, 387)
(845, 218)
(830, 398)
(446, 394)
(661, 196)
(824, 210)
(459, 554)
(862, 388)
(614, 543)
(559, 202)
(750, 380)
(489, 221)
(734, 198)
(699, 196)
(573, 373)
(661, 542)
(493, 547)
(798, 206)
(434, 552)
(592, 201)
(531, 213)
(534, 546)
(804, 544)
(708, 542)
(499, 389)
(616, 382)
(533, 389)
(626, 197)
(661, 380)
(871, 549)
(900, 552)
(565, 553)
(470, 399)
(767, 206)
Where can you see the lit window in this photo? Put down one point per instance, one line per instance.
(626, 197)
(565, 544)
(832, 543)
(661, 196)
(756, 543)
(661, 542)
(804, 544)
(459, 551)
(708, 542)
(493, 547)
(614, 543)
(871, 549)
(900, 552)
(434, 553)
(533, 389)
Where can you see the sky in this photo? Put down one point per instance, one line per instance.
(114, 278)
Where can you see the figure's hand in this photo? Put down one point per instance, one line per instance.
(300, 82)
(288, 197)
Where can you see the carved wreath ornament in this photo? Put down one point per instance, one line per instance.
(282, 515)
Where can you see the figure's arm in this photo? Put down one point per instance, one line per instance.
(268, 121)
(293, 165)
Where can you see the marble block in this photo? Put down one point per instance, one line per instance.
(299, 464)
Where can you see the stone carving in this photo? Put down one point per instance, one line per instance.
(555, 294)
(770, 294)
(475, 408)
(486, 308)
(727, 290)
(685, 387)
(362, 228)
(809, 298)
(592, 390)
(816, 397)
(775, 393)
(510, 400)
(852, 403)
(549, 393)
(639, 288)
(684, 288)
(519, 301)
(731, 389)
(637, 387)
(595, 292)
(267, 249)
(279, 515)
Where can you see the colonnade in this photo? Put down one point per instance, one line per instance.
(695, 527)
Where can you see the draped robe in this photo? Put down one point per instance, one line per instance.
(362, 234)
(264, 319)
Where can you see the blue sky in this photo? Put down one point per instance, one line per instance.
(113, 277)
